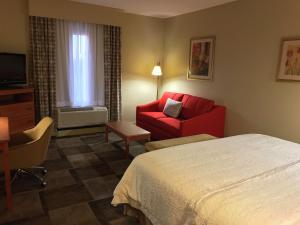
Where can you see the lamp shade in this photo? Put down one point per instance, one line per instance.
(156, 70)
(4, 131)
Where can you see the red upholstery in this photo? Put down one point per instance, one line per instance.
(194, 106)
(151, 117)
(170, 125)
(198, 116)
(211, 122)
(156, 133)
(162, 121)
(151, 107)
(164, 98)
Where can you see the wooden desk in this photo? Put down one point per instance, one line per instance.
(18, 105)
(4, 139)
(128, 131)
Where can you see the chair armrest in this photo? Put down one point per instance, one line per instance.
(19, 139)
(18, 155)
(207, 123)
(150, 107)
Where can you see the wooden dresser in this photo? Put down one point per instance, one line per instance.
(18, 106)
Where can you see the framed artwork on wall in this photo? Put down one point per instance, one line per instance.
(289, 68)
(201, 58)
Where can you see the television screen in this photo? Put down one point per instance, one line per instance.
(12, 68)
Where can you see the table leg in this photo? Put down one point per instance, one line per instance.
(106, 133)
(7, 175)
(126, 148)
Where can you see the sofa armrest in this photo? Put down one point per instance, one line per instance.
(211, 123)
(150, 107)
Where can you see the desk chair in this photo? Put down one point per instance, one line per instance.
(28, 149)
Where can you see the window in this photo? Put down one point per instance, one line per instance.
(81, 70)
(80, 64)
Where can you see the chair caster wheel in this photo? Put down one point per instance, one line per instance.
(45, 171)
(44, 184)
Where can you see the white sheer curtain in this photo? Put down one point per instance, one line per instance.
(80, 64)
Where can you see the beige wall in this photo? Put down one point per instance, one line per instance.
(142, 40)
(248, 36)
(13, 26)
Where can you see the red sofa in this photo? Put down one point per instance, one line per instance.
(198, 116)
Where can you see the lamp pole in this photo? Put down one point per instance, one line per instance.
(157, 72)
(157, 86)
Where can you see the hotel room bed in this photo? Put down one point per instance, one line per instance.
(248, 179)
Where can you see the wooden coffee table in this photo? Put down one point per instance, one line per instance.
(128, 131)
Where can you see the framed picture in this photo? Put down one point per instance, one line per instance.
(289, 68)
(201, 58)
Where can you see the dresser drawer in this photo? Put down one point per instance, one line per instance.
(21, 123)
(18, 105)
(15, 110)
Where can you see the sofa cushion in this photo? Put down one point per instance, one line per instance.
(194, 106)
(151, 117)
(166, 95)
(169, 124)
(172, 108)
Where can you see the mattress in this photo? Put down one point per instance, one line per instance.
(248, 179)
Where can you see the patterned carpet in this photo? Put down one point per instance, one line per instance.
(83, 172)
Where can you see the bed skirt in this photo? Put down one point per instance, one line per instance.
(130, 211)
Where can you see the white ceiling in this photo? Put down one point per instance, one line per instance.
(157, 8)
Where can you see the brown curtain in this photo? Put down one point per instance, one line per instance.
(112, 71)
(42, 69)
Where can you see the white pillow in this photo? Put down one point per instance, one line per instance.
(172, 108)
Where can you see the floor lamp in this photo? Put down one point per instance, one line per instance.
(157, 72)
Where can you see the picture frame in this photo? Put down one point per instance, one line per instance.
(201, 60)
(289, 66)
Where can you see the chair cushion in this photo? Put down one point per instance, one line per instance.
(151, 117)
(172, 108)
(166, 95)
(193, 106)
(170, 125)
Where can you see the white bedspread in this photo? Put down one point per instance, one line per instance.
(242, 180)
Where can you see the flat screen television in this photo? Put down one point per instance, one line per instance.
(12, 69)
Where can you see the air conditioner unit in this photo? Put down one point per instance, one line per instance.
(81, 117)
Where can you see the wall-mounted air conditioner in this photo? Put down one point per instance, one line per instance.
(81, 117)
